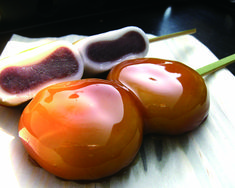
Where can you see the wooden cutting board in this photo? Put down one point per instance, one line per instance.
(204, 157)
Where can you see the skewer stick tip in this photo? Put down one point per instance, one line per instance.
(222, 63)
(172, 35)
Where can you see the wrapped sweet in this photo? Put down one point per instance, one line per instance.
(103, 51)
(24, 74)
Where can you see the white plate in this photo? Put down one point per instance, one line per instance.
(204, 157)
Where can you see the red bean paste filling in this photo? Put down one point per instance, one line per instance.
(60, 64)
(103, 51)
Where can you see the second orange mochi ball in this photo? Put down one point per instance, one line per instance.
(174, 97)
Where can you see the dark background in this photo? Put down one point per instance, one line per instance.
(214, 20)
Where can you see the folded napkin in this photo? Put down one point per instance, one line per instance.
(201, 158)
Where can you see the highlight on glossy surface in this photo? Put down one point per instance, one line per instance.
(174, 96)
(24, 74)
(82, 130)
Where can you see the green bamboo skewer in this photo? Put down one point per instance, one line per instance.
(216, 65)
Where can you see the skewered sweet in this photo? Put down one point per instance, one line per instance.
(82, 130)
(103, 51)
(24, 74)
(174, 97)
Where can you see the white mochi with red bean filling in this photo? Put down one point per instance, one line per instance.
(103, 51)
(24, 74)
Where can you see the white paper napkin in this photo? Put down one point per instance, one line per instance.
(201, 158)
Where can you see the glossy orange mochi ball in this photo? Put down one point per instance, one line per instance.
(174, 96)
(82, 130)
